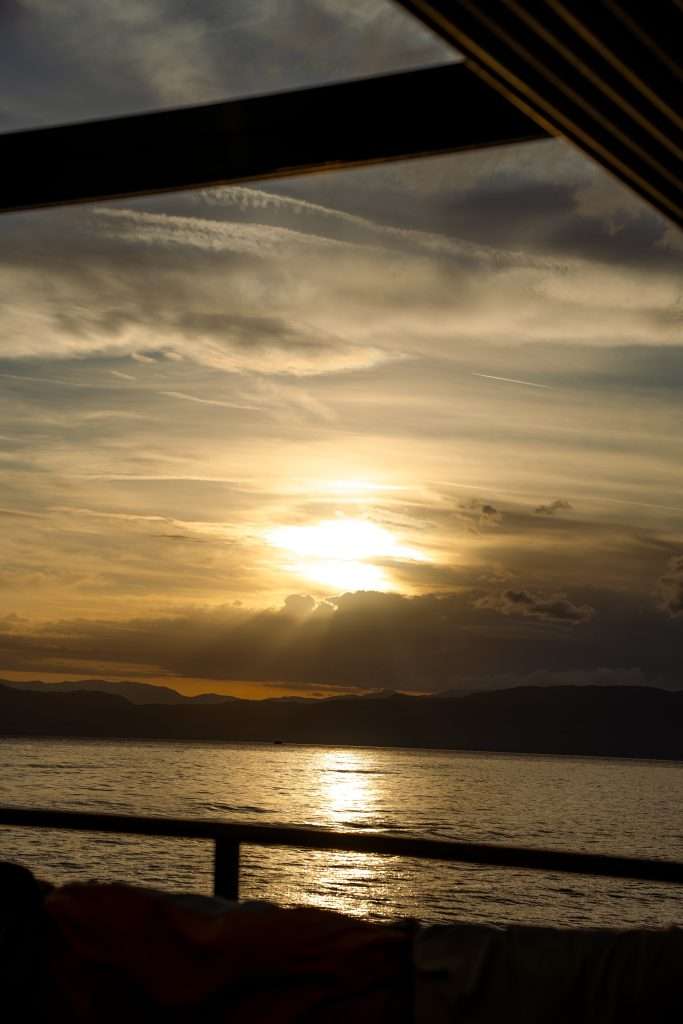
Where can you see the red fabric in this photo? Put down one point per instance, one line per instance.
(117, 951)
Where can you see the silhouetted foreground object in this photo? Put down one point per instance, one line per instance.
(23, 945)
(108, 953)
(606, 75)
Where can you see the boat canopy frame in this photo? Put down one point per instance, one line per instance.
(604, 76)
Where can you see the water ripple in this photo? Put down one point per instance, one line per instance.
(601, 805)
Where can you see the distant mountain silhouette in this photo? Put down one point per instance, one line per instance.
(136, 693)
(614, 721)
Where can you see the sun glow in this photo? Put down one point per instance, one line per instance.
(343, 575)
(341, 553)
(355, 487)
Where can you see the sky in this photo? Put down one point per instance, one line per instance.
(414, 426)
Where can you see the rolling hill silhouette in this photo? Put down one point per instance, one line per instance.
(618, 721)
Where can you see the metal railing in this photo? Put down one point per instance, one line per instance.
(228, 837)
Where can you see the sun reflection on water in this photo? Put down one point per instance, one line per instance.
(350, 798)
(348, 793)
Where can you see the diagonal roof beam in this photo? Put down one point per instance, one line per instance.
(603, 74)
(417, 113)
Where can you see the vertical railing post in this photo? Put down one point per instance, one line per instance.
(226, 869)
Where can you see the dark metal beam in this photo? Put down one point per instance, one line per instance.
(228, 836)
(417, 113)
(602, 74)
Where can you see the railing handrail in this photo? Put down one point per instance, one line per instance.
(229, 836)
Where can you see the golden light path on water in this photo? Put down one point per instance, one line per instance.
(348, 797)
(342, 553)
(347, 791)
(601, 805)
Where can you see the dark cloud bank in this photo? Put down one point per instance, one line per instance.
(553, 609)
(370, 640)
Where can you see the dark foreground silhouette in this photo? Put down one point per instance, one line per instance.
(107, 953)
(611, 721)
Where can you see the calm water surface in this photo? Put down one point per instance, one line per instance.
(600, 805)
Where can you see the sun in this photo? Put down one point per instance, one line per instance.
(345, 539)
(341, 553)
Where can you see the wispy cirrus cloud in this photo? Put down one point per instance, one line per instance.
(210, 401)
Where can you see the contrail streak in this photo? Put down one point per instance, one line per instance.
(512, 380)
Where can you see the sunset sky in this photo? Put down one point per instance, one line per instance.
(414, 426)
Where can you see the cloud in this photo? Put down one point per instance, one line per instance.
(370, 640)
(213, 236)
(30, 379)
(367, 315)
(478, 513)
(141, 284)
(552, 609)
(210, 401)
(20, 513)
(671, 588)
(68, 60)
(608, 200)
(351, 229)
(322, 291)
(299, 605)
(559, 505)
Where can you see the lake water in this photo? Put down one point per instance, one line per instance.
(599, 805)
